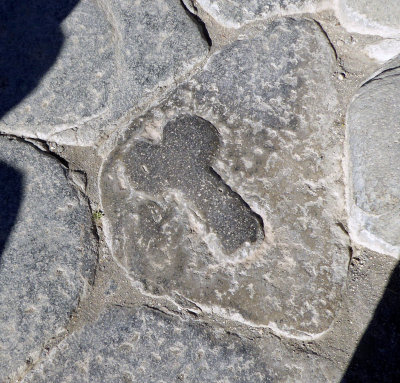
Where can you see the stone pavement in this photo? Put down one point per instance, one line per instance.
(199, 191)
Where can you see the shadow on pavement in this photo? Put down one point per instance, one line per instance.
(11, 186)
(30, 41)
(377, 357)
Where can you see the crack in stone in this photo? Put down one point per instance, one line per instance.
(200, 24)
(328, 38)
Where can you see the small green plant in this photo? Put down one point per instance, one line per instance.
(97, 215)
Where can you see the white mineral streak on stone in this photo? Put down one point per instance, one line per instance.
(358, 223)
(373, 142)
(371, 17)
(116, 57)
(290, 332)
(384, 50)
(237, 13)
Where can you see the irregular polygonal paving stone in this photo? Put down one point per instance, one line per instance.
(371, 16)
(46, 252)
(144, 345)
(236, 13)
(373, 123)
(104, 59)
(139, 345)
(273, 102)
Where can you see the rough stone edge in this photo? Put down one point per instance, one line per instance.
(352, 21)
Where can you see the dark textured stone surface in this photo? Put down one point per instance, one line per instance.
(182, 163)
(47, 253)
(141, 345)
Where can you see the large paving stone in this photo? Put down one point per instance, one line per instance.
(236, 13)
(47, 253)
(102, 60)
(228, 193)
(371, 16)
(140, 345)
(127, 345)
(373, 124)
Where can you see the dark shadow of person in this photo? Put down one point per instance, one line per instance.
(30, 41)
(377, 357)
(11, 190)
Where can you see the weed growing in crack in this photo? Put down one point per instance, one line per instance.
(97, 215)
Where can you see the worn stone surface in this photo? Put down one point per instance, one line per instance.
(151, 347)
(271, 99)
(104, 59)
(182, 163)
(373, 135)
(371, 16)
(211, 148)
(236, 13)
(47, 253)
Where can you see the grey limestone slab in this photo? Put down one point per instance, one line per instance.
(47, 253)
(229, 192)
(373, 153)
(141, 345)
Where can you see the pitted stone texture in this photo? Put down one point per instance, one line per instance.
(159, 43)
(182, 164)
(373, 17)
(273, 102)
(47, 253)
(109, 58)
(140, 345)
(373, 123)
(236, 13)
